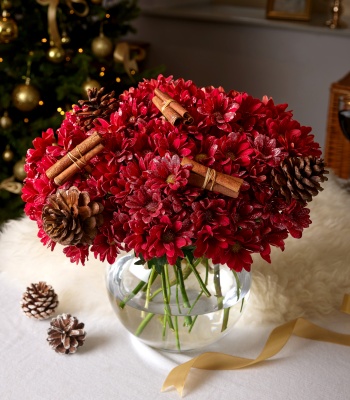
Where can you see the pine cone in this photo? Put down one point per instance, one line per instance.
(66, 334)
(39, 301)
(69, 218)
(97, 106)
(299, 178)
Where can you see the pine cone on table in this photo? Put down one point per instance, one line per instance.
(70, 218)
(66, 334)
(97, 106)
(299, 178)
(39, 301)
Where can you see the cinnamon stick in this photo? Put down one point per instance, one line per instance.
(77, 166)
(223, 182)
(169, 113)
(174, 105)
(80, 150)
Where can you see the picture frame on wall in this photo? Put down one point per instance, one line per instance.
(297, 10)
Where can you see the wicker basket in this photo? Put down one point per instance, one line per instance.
(337, 151)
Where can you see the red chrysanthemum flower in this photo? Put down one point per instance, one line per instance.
(219, 110)
(166, 173)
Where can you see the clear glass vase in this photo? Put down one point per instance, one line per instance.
(185, 307)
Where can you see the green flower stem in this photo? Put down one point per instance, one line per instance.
(238, 284)
(132, 294)
(181, 285)
(167, 281)
(181, 281)
(164, 319)
(192, 325)
(220, 297)
(177, 333)
(167, 309)
(151, 279)
(177, 297)
(194, 319)
(199, 279)
(225, 318)
(143, 324)
(218, 286)
(242, 304)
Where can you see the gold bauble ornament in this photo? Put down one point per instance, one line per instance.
(96, 1)
(25, 97)
(90, 84)
(102, 46)
(7, 155)
(5, 121)
(8, 28)
(55, 54)
(18, 170)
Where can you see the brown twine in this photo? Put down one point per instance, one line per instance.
(75, 160)
(209, 176)
(166, 104)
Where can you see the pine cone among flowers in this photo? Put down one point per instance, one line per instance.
(39, 301)
(69, 218)
(299, 178)
(66, 334)
(97, 106)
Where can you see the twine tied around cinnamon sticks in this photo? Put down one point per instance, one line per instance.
(75, 160)
(171, 109)
(207, 178)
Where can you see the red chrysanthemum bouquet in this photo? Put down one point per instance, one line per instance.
(136, 192)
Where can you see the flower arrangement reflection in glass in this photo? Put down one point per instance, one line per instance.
(136, 192)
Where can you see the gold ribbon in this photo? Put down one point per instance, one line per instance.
(122, 54)
(84, 12)
(275, 342)
(11, 185)
(52, 20)
(345, 308)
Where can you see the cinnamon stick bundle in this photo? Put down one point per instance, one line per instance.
(75, 167)
(170, 108)
(169, 113)
(74, 156)
(206, 178)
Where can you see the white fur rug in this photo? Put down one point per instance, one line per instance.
(308, 279)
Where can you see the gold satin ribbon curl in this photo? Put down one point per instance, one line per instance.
(276, 341)
(11, 185)
(52, 20)
(122, 54)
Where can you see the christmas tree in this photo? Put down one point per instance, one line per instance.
(51, 53)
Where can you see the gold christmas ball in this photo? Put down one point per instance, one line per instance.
(25, 97)
(102, 46)
(5, 121)
(8, 29)
(90, 84)
(7, 155)
(55, 54)
(18, 170)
